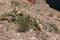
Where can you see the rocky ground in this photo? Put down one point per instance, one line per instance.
(40, 10)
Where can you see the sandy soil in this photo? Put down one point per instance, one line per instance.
(40, 10)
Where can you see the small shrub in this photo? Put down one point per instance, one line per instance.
(23, 21)
(48, 26)
(51, 27)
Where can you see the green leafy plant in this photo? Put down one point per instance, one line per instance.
(24, 22)
(34, 24)
(48, 26)
(51, 27)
